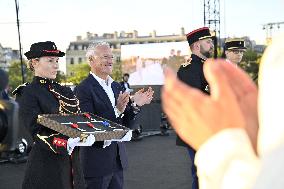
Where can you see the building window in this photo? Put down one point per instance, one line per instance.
(71, 60)
(80, 60)
(118, 58)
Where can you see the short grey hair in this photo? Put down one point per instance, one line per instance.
(92, 49)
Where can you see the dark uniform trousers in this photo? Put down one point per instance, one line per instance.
(113, 180)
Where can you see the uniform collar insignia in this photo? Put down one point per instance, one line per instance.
(42, 80)
(202, 60)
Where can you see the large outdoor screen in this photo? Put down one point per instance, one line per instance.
(145, 62)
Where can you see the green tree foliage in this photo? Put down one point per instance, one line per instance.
(81, 71)
(61, 77)
(15, 74)
(219, 52)
(250, 63)
(250, 56)
(78, 73)
(117, 71)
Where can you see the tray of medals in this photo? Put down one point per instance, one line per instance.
(82, 125)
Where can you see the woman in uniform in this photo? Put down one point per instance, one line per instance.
(49, 164)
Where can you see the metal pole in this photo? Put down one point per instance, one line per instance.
(20, 45)
(204, 14)
(215, 46)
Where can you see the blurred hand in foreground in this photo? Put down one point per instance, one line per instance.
(197, 116)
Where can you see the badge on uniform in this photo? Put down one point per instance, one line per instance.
(42, 81)
(59, 142)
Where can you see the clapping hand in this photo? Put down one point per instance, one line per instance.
(143, 97)
(122, 100)
(196, 116)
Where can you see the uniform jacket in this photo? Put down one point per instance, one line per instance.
(98, 161)
(192, 74)
(49, 165)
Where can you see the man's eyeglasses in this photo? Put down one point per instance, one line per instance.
(106, 57)
(237, 51)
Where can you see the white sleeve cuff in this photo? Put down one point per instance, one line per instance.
(227, 160)
(117, 112)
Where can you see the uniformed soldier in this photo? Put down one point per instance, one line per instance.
(49, 165)
(234, 50)
(191, 72)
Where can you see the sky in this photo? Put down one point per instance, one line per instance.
(149, 50)
(62, 20)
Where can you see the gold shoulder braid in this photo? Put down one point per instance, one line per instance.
(187, 62)
(66, 105)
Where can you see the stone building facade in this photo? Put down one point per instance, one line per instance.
(7, 56)
(75, 54)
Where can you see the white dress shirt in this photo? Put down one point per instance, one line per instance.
(106, 85)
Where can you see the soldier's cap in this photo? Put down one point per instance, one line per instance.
(41, 49)
(232, 44)
(198, 34)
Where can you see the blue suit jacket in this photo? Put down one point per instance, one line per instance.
(98, 161)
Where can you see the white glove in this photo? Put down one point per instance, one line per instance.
(72, 142)
(107, 143)
(127, 137)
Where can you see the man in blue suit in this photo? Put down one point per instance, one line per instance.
(99, 94)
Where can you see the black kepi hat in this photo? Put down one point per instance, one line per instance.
(198, 34)
(41, 49)
(232, 44)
